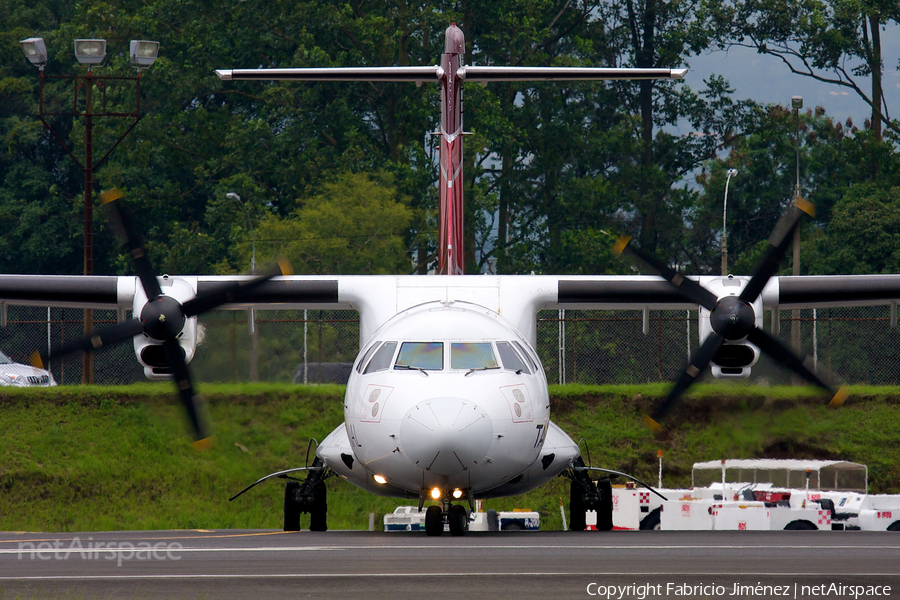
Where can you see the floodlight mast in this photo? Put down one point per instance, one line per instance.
(450, 75)
(90, 53)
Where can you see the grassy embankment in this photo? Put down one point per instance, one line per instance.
(104, 458)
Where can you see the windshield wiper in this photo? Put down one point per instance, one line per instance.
(470, 371)
(412, 368)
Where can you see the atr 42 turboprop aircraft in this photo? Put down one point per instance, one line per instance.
(447, 398)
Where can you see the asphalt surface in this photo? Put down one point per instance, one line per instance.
(344, 564)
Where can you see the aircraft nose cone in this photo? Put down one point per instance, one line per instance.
(446, 436)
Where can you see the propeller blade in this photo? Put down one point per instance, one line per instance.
(688, 288)
(695, 368)
(229, 293)
(96, 340)
(121, 223)
(778, 244)
(784, 355)
(192, 402)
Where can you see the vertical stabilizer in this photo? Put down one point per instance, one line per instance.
(450, 250)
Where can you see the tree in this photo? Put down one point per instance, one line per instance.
(355, 226)
(833, 41)
(863, 236)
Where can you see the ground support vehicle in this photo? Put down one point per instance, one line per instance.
(762, 494)
(409, 518)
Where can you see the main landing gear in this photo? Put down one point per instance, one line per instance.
(454, 515)
(585, 495)
(309, 496)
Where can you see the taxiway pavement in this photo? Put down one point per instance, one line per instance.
(349, 564)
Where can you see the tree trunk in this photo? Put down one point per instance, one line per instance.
(876, 66)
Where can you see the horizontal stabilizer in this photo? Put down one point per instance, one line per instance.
(413, 74)
(472, 73)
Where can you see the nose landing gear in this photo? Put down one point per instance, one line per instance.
(455, 516)
(585, 495)
(310, 497)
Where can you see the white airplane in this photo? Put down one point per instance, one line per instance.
(447, 399)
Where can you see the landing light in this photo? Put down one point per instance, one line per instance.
(436, 494)
(379, 479)
(457, 493)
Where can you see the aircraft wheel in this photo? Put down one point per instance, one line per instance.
(457, 519)
(577, 516)
(291, 507)
(800, 526)
(605, 508)
(319, 511)
(434, 521)
(651, 522)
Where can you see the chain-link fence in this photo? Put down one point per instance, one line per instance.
(591, 347)
(858, 345)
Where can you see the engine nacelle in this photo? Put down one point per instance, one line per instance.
(735, 358)
(149, 351)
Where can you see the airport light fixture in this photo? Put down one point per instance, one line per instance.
(143, 53)
(730, 173)
(90, 52)
(35, 51)
(89, 101)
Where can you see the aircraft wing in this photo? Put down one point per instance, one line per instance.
(587, 292)
(517, 297)
(111, 292)
(807, 291)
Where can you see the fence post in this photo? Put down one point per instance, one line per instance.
(254, 344)
(659, 342)
(687, 319)
(815, 343)
(575, 350)
(305, 332)
(562, 346)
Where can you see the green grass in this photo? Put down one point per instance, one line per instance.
(106, 458)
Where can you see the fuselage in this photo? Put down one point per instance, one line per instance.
(445, 395)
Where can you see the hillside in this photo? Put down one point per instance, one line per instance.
(92, 458)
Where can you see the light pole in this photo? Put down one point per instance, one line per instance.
(796, 104)
(237, 198)
(251, 312)
(731, 173)
(91, 53)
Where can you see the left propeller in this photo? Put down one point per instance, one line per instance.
(162, 318)
(733, 318)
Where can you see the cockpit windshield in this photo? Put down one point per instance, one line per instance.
(472, 355)
(420, 355)
(511, 359)
(4, 359)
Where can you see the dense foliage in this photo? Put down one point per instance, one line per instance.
(341, 177)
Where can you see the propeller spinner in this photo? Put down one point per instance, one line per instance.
(162, 318)
(733, 318)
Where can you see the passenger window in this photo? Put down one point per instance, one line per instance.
(472, 356)
(511, 359)
(421, 355)
(528, 356)
(366, 356)
(382, 359)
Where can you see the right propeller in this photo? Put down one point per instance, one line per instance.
(733, 318)
(162, 318)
